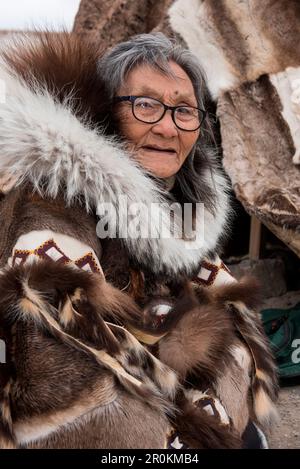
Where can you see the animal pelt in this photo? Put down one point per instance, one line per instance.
(237, 41)
(70, 369)
(227, 312)
(193, 420)
(196, 337)
(200, 341)
(249, 50)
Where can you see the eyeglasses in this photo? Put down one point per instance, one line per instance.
(151, 111)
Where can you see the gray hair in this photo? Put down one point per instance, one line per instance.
(157, 51)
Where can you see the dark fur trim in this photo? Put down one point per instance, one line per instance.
(65, 64)
(184, 301)
(200, 430)
(247, 289)
(57, 282)
(199, 342)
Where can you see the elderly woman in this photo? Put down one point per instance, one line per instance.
(190, 366)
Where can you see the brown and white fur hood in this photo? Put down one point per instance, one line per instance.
(51, 137)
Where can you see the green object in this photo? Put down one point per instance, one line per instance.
(282, 327)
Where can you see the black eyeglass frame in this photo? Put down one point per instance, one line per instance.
(132, 99)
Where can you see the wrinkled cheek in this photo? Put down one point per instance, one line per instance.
(187, 150)
(126, 125)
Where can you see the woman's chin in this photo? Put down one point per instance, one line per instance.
(162, 173)
(161, 168)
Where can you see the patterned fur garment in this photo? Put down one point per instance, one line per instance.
(76, 375)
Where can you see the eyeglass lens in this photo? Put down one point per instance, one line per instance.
(150, 110)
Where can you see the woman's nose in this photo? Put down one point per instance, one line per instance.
(166, 126)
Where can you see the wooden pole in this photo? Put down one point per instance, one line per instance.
(255, 238)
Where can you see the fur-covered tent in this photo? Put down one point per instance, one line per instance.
(250, 51)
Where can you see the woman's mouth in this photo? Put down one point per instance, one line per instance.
(157, 149)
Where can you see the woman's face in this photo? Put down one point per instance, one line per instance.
(160, 148)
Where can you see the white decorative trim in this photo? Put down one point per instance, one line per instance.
(64, 246)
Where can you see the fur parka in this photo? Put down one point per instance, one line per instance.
(110, 344)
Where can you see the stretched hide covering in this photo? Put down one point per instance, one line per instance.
(108, 22)
(250, 52)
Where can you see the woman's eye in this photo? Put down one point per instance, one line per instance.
(186, 113)
(185, 110)
(144, 105)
